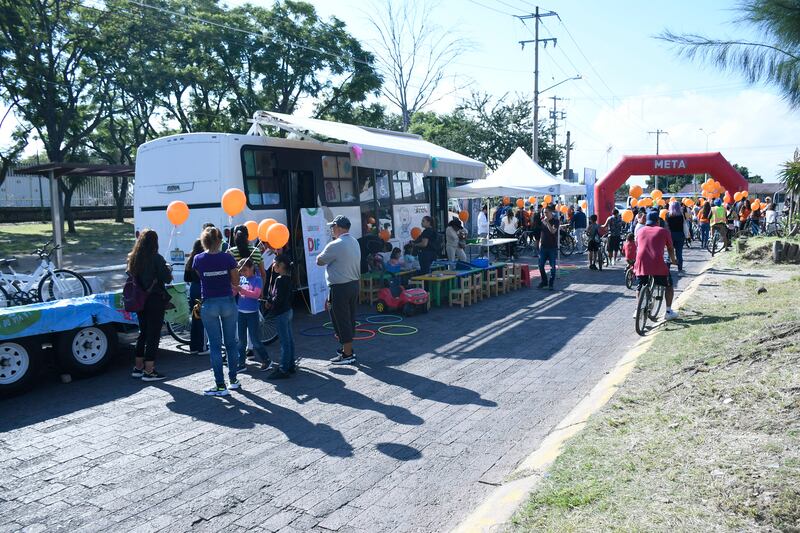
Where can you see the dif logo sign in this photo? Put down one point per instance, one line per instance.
(313, 244)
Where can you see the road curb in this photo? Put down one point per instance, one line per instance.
(501, 504)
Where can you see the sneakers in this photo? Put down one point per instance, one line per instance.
(670, 315)
(235, 385)
(137, 373)
(277, 373)
(592, 267)
(342, 359)
(153, 376)
(217, 390)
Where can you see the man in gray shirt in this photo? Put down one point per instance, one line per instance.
(342, 260)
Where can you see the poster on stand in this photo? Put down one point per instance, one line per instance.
(589, 179)
(315, 237)
(407, 217)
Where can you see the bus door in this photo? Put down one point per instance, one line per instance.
(302, 193)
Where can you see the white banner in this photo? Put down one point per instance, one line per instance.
(315, 237)
(406, 217)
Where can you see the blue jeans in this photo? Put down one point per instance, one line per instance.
(755, 227)
(705, 229)
(283, 323)
(545, 255)
(249, 323)
(678, 240)
(219, 319)
(196, 333)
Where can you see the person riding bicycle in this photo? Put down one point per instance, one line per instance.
(719, 221)
(650, 244)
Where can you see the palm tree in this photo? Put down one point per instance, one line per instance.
(774, 59)
(790, 176)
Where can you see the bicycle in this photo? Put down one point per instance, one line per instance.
(648, 304)
(567, 242)
(181, 331)
(44, 285)
(603, 258)
(630, 277)
(715, 243)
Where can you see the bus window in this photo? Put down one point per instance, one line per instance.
(261, 181)
(337, 174)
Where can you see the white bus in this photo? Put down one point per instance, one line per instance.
(406, 179)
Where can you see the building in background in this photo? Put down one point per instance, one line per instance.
(33, 191)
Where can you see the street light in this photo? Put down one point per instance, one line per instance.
(536, 94)
(576, 77)
(707, 134)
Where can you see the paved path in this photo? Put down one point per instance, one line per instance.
(412, 441)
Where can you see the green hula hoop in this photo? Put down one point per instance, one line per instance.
(329, 325)
(382, 329)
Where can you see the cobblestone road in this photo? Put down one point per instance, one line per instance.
(411, 441)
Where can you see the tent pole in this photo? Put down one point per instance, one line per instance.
(55, 215)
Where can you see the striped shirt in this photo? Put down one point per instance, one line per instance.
(255, 256)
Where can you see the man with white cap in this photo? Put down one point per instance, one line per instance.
(342, 260)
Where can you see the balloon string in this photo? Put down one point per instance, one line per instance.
(171, 235)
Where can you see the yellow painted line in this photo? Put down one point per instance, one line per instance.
(501, 504)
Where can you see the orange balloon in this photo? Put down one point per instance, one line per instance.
(656, 194)
(663, 214)
(177, 212)
(263, 226)
(745, 194)
(506, 200)
(385, 234)
(463, 216)
(415, 233)
(662, 202)
(564, 209)
(277, 236)
(252, 229)
(532, 200)
(233, 202)
(755, 205)
(634, 202)
(584, 205)
(737, 196)
(627, 215)
(520, 203)
(548, 198)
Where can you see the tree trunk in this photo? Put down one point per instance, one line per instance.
(120, 189)
(68, 215)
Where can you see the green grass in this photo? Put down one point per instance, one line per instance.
(92, 235)
(704, 435)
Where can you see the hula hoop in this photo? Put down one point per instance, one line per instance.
(325, 332)
(392, 319)
(359, 330)
(329, 325)
(382, 330)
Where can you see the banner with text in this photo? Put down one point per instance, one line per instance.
(589, 179)
(315, 237)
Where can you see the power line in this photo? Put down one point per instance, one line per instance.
(492, 8)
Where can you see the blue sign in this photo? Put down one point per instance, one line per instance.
(589, 179)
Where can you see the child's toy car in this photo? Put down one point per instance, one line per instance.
(396, 297)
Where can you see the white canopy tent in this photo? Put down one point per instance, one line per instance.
(378, 148)
(519, 175)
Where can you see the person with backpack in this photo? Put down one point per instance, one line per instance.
(148, 275)
(427, 244)
(613, 225)
(593, 242)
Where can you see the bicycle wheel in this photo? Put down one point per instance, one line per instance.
(269, 332)
(5, 299)
(629, 278)
(567, 246)
(715, 244)
(181, 332)
(642, 303)
(61, 284)
(656, 299)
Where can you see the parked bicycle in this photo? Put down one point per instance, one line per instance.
(45, 284)
(567, 242)
(181, 331)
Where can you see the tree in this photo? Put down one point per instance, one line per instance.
(789, 175)
(9, 155)
(413, 54)
(745, 172)
(50, 68)
(773, 59)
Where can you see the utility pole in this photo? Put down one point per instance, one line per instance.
(658, 133)
(567, 173)
(554, 114)
(537, 15)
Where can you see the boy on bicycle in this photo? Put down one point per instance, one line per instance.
(651, 241)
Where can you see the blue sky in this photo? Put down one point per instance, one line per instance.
(633, 83)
